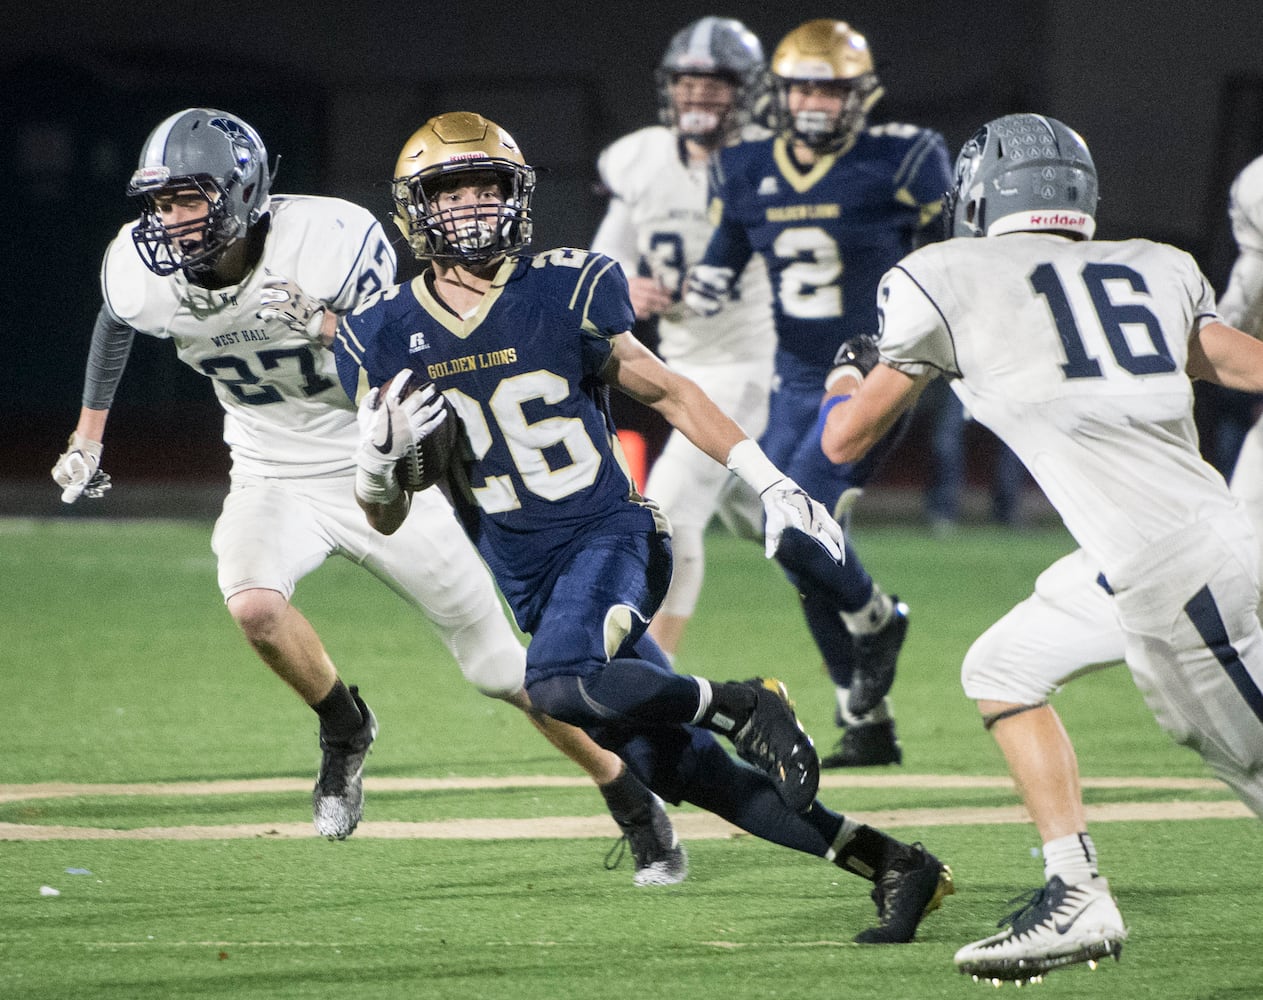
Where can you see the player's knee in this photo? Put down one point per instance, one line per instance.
(490, 658)
(258, 613)
(991, 672)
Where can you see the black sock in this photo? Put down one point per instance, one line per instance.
(731, 705)
(340, 717)
(626, 797)
(864, 851)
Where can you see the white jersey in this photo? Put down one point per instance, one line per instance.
(1073, 353)
(285, 414)
(1242, 302)
(657, 220)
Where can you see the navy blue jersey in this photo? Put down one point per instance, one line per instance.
(827, 235)
(523, 372)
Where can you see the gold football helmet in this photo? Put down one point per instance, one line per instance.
(831, 54)
(455, 150)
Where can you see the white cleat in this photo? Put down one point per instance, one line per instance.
(1058, 925)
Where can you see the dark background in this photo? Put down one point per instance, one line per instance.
(1169, 96)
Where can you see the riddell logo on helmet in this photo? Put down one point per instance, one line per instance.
(1075, 220)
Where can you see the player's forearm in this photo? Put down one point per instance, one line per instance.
(1227, 356)
(729, 247)
(107, 357)
(91, 424)
(853, 426)
(385, 518)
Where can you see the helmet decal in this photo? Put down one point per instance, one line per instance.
(1021, 173)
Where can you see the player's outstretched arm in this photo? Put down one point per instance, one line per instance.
(635, 370)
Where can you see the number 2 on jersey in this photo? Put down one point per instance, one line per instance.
(1111, 317)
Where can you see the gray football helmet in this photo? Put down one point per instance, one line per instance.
(216, 154)
(1023, 172)
(713, 46)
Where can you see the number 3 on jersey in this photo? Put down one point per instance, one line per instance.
(1111, 319)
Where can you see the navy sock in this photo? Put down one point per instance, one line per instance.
(811, 569)
(746, 798)
(836, 646)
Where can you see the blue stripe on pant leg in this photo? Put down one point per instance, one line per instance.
(1204, 615)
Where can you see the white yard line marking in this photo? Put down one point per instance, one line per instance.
(690, 825)
(62, 789)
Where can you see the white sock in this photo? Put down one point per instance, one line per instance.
(703, 698)
(872, 617)
(879, 713)
(1072, 857)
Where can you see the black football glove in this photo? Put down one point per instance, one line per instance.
(855, 358)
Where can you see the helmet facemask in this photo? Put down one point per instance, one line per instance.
(709, 122)
(194, 244)
(824, 131)
(712, 47)
(470, 233)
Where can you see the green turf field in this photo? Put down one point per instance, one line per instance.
(173, 809)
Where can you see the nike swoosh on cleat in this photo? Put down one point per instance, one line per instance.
(1064, 928)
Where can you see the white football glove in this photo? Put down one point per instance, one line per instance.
(707, 288)
(785, 505)
(78, 470)
(284, 302)
(388, 428)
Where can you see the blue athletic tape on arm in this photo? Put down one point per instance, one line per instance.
(825, 408)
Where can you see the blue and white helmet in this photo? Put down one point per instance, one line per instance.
(212, 152)
(1023, 173)
(713, 46)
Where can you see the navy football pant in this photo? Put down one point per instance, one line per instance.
(792, 442)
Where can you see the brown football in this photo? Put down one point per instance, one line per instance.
(427, 462)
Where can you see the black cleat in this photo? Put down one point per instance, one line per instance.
(337, 801)
(774, 742)
(910, 886)
(868, 744)
(655, 848)
(876, 655)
